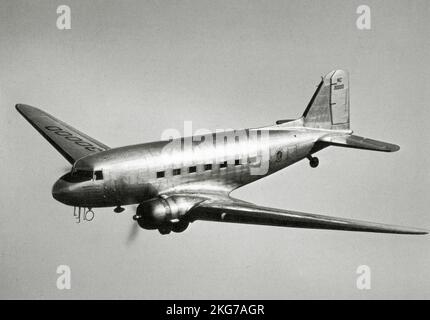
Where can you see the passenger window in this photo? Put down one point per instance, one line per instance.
(160, 174)
(223, 165)
(208, 167)
(237, 162)
(192, 169)
(98, 175)
(176, 172)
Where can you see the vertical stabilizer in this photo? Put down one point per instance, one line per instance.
(329, 106)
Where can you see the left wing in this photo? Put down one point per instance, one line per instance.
(233, 210)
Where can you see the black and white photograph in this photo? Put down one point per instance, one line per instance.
(184, 150)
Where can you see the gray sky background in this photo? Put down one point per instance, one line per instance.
(130, 69)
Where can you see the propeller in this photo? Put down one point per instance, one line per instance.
(134, 232)
(134, 229)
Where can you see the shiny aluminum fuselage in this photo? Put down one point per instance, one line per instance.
(130, 173)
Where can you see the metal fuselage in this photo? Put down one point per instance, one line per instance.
(136, 173)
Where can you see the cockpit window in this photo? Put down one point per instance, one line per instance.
(78, 176)
(98, 175)
(83, 174)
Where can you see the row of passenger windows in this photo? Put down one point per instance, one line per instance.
(193, 169)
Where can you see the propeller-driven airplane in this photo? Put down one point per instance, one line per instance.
(180, 180)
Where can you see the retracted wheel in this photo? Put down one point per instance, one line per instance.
(164, 230)
(313, 162)
(118, 209)
(180, 226)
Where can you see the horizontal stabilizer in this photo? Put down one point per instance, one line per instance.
(357, 142)
(71, 143)
(284, 121)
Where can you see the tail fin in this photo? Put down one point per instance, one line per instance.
(329, 106)
(71, 143)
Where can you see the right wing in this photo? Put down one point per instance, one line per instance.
(71, 143)
(237, 211)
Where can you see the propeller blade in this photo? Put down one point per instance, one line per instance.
(134, 230)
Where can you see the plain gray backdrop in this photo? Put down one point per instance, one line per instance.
(127, 70)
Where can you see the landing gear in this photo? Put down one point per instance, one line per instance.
(180, 226)
(118, 209)
(176, 227)
(165, 230)
(313, 161)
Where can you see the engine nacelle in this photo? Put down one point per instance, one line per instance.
(152, 214)
(158, 213)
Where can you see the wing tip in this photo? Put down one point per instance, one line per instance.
(411, 231)
(25, 109)
(393, 147)
(20, 107)
(420, 232)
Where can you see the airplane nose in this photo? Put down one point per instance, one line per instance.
(60, 190)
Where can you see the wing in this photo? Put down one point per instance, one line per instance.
(237, 211)
(71, 143)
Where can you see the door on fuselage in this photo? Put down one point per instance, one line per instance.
(111, 188)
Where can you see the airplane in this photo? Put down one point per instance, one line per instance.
(180, 180)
